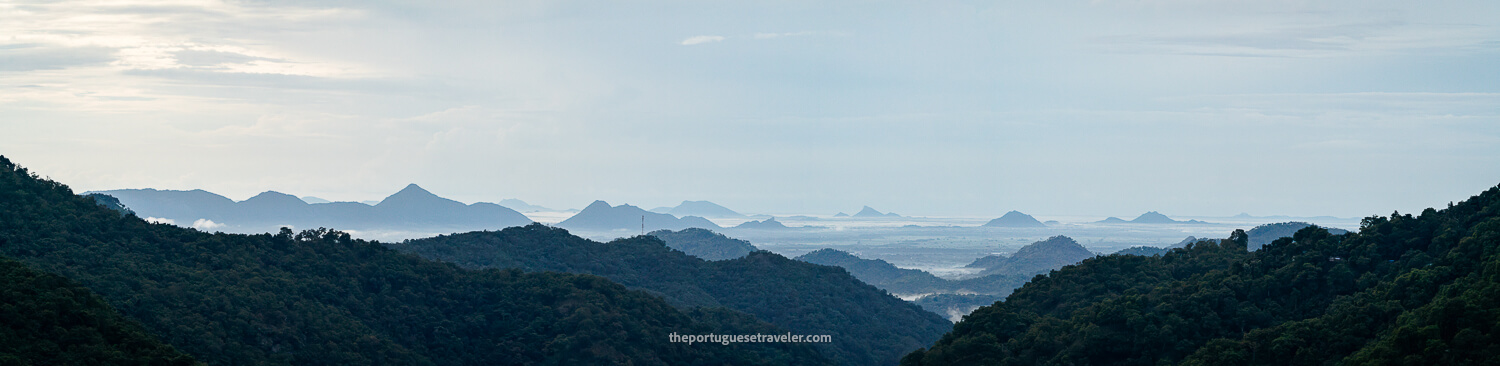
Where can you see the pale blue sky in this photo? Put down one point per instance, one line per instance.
(1344, 108)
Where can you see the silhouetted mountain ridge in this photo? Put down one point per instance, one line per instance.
(411, 208)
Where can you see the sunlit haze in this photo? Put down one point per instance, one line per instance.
(927, 108)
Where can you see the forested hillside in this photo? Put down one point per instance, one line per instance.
(46, 319)
(1415, 290)
(869, 327)
(320, 298)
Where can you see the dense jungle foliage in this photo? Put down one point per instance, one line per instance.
(46, 319)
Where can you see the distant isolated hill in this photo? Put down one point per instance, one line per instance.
(600, 216)
(412, 209)
(704, 244)
(767, 224)
(1015, 219)
(703, 209)
(1151, 217)
(522, 206)
(1035, 258)
(1265, 234)
(868, 212)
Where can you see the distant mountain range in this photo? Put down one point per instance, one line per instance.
(600, 216)
(1151, 217)
(1034, 258)
(412, 208)
(1015, 219)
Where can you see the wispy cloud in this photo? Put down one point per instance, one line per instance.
(779, 35)
(128, 35)
(694, 40)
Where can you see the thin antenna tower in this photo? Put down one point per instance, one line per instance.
(643, 225)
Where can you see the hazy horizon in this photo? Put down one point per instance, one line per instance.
(1107, 108)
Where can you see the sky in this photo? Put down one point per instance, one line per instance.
(936, 108)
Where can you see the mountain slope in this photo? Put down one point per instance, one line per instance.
(704, 244)
(948, 298)
(412, 208)
(877, 272)
(321, 298)
(869, 327)
(1402, 290)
